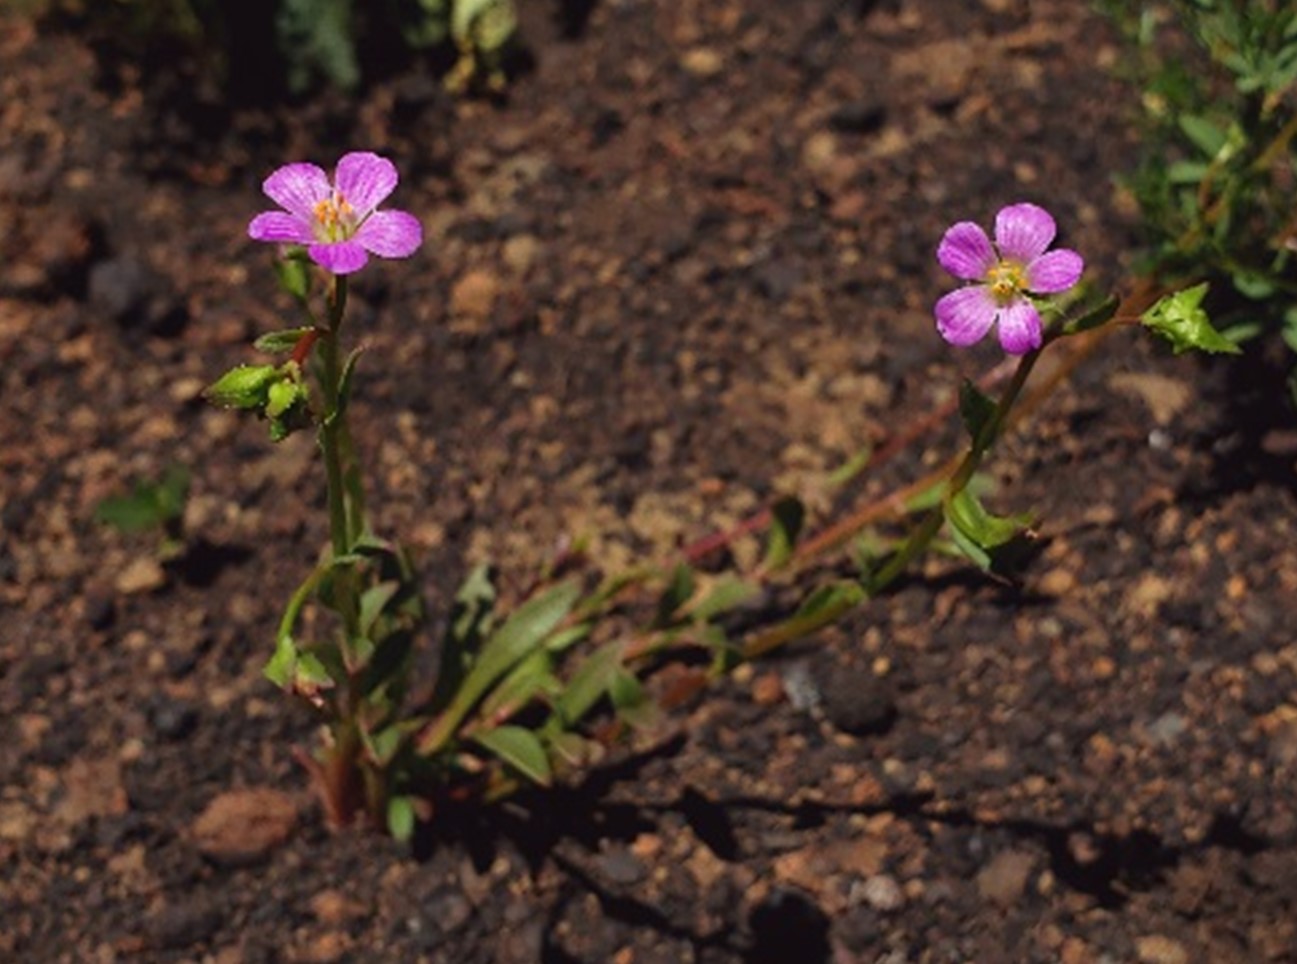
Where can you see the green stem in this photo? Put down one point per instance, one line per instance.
(927, 530)
(331, 425)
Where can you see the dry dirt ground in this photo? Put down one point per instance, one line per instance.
(685, 267)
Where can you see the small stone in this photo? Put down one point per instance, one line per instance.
(1158, 949)
(141, 576)
(1004, 879)
(620, 866)
(1057, 582)
(243, 826)
(520, 253)
(856, 701)
(767, 689)
(703, 62)
(882, 892)
(184, 924)
(333, 907)
(1168, 728)
(474, 294)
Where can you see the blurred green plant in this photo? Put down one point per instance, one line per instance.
(152, 505)
(309, 42)
(1217, 183)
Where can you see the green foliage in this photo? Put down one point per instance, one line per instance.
(316, 41)
(1218, 183)
(976, 532)
(1181, 320)
(152, 505)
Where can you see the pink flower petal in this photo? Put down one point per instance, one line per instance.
(965, 251)
(1024, 231)
(1020, 330)
(297, 188)
(280, 227)
(1054, 271)
(341, 258)
(965, 315)
(365, 180)
(390, 234)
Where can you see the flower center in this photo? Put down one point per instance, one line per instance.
(1007, 281)
(335, 218)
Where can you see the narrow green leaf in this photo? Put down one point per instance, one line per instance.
(726, 593)
(372, 603)
(344, 386)
(520, 634)
(521, 749)
(632, 702)
(278, 342)
(676, 594)
(1203, 133)
(787, 518)
(588, 684)
(1094, 317)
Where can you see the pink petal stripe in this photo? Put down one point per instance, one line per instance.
(390, 234)
(281, 227)
(341, 258)
(965, 251)
(965, 315)
(1023, 231)
(297, 188)
(1054, 271)
(365, 180)
(1020, 330)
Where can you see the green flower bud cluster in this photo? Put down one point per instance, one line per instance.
(277, 393)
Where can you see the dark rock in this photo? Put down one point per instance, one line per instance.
(856, 701)
(184, 924)
(172, 719)
(100, 610)
(621, 867)
(858, 117)
(135, 297)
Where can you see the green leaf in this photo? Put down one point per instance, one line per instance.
(566, 638)
(1204, 134)
(531, 678)
(726, 593)
(401, 818)
(852, 467)
(632, 702)
(676, 594)
(279, 668)
(1094, 317)
(1180, 319)
(344, 386)
(521, 749)
(977, 410)
(150, 505)
(246, 386)
(588, 683)
(787, 517)
(976, 531)
(372, 603)
(1187, 172)
(520, 634)
(278, 342)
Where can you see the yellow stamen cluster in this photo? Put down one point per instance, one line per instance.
(335, 216)
(1006, 281)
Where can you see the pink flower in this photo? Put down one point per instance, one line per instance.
(1016, 266)
(338, 222)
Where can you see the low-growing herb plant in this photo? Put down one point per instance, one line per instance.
(1217, 185)
(528, 692)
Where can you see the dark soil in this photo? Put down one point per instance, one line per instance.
(686, 267)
